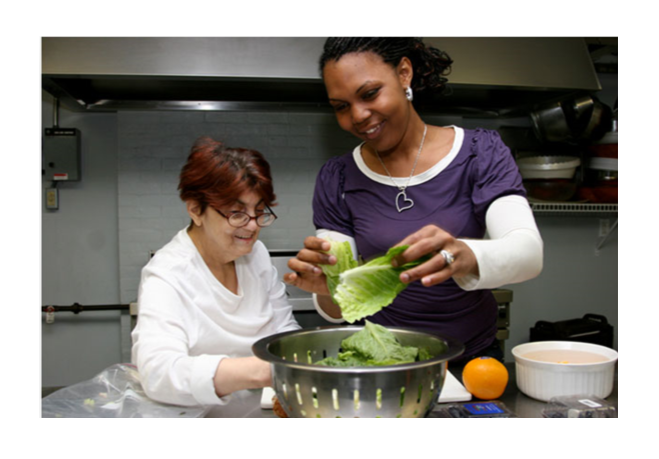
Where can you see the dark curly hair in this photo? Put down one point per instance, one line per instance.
(430, 65)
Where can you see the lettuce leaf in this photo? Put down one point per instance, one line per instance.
(344, 262)
(364, 290)
(374, 345)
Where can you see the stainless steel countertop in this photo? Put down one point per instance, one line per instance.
(249, 405)
(527, 407)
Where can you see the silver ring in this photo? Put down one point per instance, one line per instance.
(448, 257)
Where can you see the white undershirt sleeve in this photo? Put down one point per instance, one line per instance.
(514, 251)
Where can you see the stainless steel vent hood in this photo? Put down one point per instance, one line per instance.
(490, 75)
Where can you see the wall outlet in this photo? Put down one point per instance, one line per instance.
(52, 198)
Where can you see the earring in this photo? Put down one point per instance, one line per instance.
(409, 94)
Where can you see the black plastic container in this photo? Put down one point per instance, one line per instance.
(592, 328)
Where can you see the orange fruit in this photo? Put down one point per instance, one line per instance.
(485, 378)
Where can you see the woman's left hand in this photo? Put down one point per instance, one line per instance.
(432, 240)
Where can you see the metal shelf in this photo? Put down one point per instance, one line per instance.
(581, 209)
(573, 208)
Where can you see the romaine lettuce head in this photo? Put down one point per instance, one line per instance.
(366, 289)
(377, 343)
(344, 262)
(374, 345)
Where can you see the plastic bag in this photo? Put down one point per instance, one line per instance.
(116, 392)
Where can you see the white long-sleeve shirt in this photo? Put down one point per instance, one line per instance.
(188, 321)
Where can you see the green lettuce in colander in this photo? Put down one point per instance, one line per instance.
(374, 345)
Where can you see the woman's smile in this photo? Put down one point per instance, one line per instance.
(245, 238)
(372, 132)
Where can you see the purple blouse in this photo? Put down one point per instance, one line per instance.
(456, 199)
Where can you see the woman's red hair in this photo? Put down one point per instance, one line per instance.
(216, 175)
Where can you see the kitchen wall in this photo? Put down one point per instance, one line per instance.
(80, 257)
(126, 205)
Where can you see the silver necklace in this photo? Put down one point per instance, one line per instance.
(407, 203)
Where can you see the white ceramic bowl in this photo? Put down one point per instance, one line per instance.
(544, 380)
(548, 167)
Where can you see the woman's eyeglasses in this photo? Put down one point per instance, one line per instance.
(239, 219)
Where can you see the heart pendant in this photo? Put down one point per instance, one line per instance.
(407, 202)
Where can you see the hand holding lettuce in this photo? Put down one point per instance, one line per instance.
(361, 291)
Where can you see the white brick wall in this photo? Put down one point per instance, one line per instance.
(153, 146)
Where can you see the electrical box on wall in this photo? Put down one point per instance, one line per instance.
(61, 154)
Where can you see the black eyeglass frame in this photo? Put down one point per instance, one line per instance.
(256, 218)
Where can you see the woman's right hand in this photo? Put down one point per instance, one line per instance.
(306, 274)
(239, 373)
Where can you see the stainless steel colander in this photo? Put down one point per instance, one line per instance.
(316, 391)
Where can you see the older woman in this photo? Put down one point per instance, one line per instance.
(212, 291)
(438, 189)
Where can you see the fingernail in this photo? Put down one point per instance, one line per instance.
(405, 278)
(394, 263)
(317, 270)
(332, 259)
